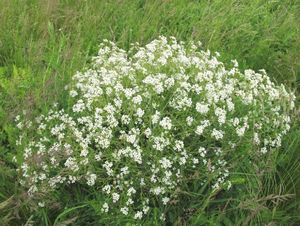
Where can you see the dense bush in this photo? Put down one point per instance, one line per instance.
(141, 125)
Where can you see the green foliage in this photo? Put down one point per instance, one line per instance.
(43, 43)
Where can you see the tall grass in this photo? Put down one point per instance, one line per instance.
(43, 42)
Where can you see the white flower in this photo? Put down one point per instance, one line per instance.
(202, 152)
(72, 179)
(106, 189)
(137, 99)
(79, 106)
(165, 163)
(115, 197)
(125, 119)
(155, 117)
(179, 145)
(84, 152)
(165, 200)
(91, 178)
(105, 208)
(202, 108)
(218, 134)
(124, 210)
(263, 150)
(138, 215)
(129, 202)
(159, 88)
(73, 93)
(129, 92)
(72, 164)
(240, 131)
(140, 112)
(195, 161)
(159, 143)
(157, 190)
(221, 115)
(41, 204)
(98, 156)
(131, 191)
(235, 63)
(189, 120)
(200, 128)
(162, 217)
(166, 123)
(146, 209)
(148, 132)
(236, 121)
(169, 82)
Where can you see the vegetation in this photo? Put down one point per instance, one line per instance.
(43, 44)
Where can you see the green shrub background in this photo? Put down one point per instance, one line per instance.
(43, 43)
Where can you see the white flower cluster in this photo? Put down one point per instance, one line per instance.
(141, 123)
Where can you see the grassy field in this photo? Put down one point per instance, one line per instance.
(44, 42)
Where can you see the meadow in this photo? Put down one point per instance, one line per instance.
(43, 43)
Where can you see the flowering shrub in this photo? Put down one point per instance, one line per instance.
(142, 124)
